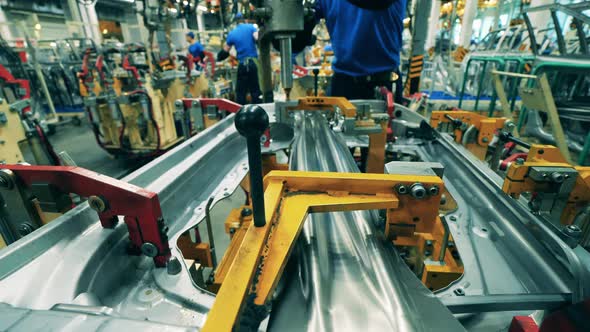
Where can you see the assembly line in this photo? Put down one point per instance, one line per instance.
(288, 165)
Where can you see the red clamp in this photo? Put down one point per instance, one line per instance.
(222, 104)
(9, 79)
(388, 96)
(110, 198)
(512, 158)
(127, 66)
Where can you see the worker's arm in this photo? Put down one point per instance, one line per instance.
(224, 53)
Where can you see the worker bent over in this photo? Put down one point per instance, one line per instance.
(243, 37)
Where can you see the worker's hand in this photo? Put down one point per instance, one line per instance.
(222, 55)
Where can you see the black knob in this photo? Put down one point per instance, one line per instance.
(251, 122)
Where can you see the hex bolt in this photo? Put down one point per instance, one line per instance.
(427, 252)
(459, 292)
(519, 161)
(173, 266)
(149, 249)
(428, 243)
(485, 139)
(418, 191)
(401, 189)
(557, 177)
(25, 229)
(97, 204)
(433, 190)
(573, 231)
(246, 212)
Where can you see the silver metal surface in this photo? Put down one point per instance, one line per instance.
(345, 275)
(74, 256)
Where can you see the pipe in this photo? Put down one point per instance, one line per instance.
(265, 69)
(534, 127)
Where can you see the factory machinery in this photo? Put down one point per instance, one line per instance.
(132, 102)
(456, 225)
(435, 240)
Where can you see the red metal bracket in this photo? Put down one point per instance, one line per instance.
(222, 104)
(110, 198)
(9, 79)
(127, 66)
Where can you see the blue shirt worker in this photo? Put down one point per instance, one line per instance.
(243, 37)
(366, 38)
(195, 48)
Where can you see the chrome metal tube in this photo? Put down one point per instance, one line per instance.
(286, 62)
(346, 276)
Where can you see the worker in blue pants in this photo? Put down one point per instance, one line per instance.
(243, 37)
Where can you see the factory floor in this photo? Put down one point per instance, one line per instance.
(81, 146)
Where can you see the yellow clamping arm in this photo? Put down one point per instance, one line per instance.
(519, 178)
(462, 120)
(326, 104)
(375, 126)
(289, 197)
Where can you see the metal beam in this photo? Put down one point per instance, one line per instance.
(502, 302)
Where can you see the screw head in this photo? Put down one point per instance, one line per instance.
(557, 177)
(485, 139)
(97, 203)
(25, 229)
(401, 189)
(433, 190)
(246, 212)
(573, 231)
(149, 249)
(173, 266)
(519, 161)
(418, 191)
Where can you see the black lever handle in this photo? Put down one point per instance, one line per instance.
(316, 72)
(505, 136)
(455, 122)
(251, 122)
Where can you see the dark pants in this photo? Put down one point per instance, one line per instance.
(361, 88)
(247, 81)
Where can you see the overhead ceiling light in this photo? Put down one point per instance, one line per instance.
(38, 26)
(105, 31)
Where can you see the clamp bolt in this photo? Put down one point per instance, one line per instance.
(433, 190)
(97, 204)
(573, 231)
(246, 212)
(25, 229)
(173, 266)
(401, 189)
(557, 177)
(418, 191)
(149, 249)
